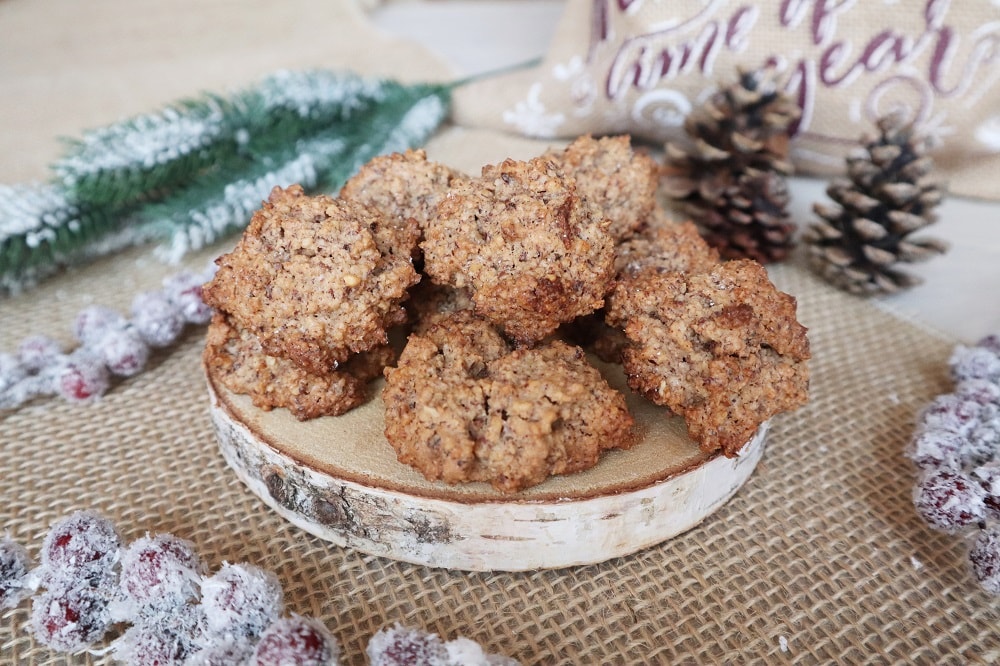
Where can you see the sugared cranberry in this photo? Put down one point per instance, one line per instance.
(37, 352)
(404, 646)
(96, 320)
(82, 544)
(14, 567)
(69, 616)
(948, 500)
(83, 377)
(159, 572)
(296, 640)
(157, 320)
(984, 555)
(161, 639)
(123, 352)
(184, 291)
(240, 601)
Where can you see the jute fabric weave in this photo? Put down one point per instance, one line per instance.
(818, 559)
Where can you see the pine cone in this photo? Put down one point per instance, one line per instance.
(887, 195)
(731, 179)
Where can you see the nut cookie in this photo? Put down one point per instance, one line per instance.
(403, 186)
(460, 406)
(667, 247)
(721, 348)
(530, 250)
(611, 175)
(316, 279)
(234, 357)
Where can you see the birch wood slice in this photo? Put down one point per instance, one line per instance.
(338, 478)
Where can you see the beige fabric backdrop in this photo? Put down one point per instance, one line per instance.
(819, 559)
(640, 66)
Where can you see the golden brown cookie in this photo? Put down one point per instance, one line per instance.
(461, 407)
(234, 358)
(316, 279)
(402, 186)
(667, 247)
(530, 250)
(618, 180)
(721, 348)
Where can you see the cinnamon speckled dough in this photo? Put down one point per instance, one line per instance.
(234, 358)
(662, 245)
(316, 279)
(530, 250)
(614, 177)
(721, 348)
(461, 407)
(667, 247)
(401, 185)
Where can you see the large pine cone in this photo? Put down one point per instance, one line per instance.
(888, 194)
(731, 178)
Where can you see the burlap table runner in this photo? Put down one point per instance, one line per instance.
(820, 554)
(820, 558)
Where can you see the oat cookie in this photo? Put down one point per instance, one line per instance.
(461, 407)
(667, 247)
(530, 250)
(614, 177)
(402, 186)
(721, 348)
(234, 357)
(316, 279)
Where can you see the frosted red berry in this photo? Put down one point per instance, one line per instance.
(161, 639)
(157, 320)
(398, 645)
(159, 572)
(11, 371)
(83, 377)
(977, 362)
(94, 321)
(184, 290)
(69, 616)
(936, 448)
(14, 567)
(123, 351)
(240, 601)
(82, 544)
(984, 556)
(37, 352)
(952, 413)
(949, 500)
(296, 640)
(221, 654)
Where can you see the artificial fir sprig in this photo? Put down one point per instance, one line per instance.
(194, 171)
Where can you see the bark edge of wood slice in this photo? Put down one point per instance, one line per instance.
(338, 479)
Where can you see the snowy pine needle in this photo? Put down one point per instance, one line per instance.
(194, 171)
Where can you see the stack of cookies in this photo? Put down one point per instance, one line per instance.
(500, 283)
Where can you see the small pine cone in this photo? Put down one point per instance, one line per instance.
(731, 178)
(887, 195)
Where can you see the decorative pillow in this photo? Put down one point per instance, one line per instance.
(639, 67)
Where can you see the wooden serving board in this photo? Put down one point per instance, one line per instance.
(338, 478)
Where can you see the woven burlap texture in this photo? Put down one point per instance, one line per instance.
(818, 559)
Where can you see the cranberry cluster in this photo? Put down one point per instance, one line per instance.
(173, 612)
(111, 345)
(956, 446)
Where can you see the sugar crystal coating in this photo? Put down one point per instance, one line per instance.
(161, 639)
(69, 616)
(398, 645)
(93, 321)
(296, 640)
(123, 350)
(37, 352)
(984, 556)
(240, 601)
(948, 499)
(184, 291)
(82, 376)
(12, 371)
(232, 653)
(14, 567)
(159, 572)
(976, 362)
(83, 544)
(158, 321)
